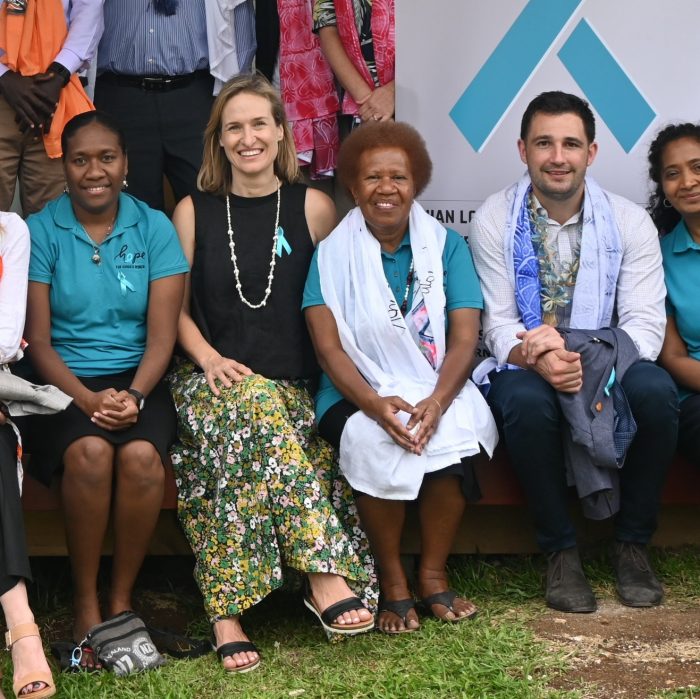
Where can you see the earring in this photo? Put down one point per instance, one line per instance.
(125, 184)
(66, 188)
(667, 204)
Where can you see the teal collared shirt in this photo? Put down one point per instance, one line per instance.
(681, 255)
(99, 311)
(460, 283)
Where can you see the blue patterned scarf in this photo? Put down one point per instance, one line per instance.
(601, 255)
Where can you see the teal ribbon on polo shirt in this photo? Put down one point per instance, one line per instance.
(124, 283)
(282, 243)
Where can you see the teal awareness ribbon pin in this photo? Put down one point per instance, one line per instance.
(124, 283)
(610, 383)
(282, 243)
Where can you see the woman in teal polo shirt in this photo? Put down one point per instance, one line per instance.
(674, 167)
(393, 302)
(106, 284)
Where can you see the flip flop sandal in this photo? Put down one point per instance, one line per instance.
(68, 658)
(400, 607)
(446, 599)
(226, 650)
(328, 616)
(176, 645)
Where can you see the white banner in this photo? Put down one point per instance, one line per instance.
(466, 70)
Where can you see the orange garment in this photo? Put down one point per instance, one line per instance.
(31, 43)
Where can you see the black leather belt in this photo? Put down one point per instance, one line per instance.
(152, 83)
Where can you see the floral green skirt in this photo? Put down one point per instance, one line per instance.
(259, 490)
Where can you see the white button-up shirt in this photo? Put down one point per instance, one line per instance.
(640, 291)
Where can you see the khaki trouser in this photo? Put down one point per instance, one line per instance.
(40, 177)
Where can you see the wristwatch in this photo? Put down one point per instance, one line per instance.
(140, 400)
(61, 71)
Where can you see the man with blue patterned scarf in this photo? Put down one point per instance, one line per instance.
(555, 252)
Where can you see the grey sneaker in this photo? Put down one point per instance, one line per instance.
(567, 587)
(637, 585)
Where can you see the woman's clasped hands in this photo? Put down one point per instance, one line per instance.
(111, 409)
(421, 426)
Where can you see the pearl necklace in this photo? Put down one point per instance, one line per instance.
(234, 259)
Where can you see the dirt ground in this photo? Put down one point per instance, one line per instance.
(622, 652)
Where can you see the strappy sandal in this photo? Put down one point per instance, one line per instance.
(328, 616)
(29, 679)
(226, 650)
(400, 607)
(446, 599)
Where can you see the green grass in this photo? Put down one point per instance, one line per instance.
(494, 656)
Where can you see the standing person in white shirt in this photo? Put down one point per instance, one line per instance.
(556, 251)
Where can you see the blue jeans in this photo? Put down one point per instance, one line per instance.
(527, 411)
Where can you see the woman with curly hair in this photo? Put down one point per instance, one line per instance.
(393, 304)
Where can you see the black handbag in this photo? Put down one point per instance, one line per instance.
(124, 645)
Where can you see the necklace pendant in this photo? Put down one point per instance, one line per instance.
(96, 258)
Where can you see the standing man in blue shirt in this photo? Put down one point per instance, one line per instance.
(154, 78)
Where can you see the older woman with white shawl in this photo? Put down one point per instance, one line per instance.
(392, 302)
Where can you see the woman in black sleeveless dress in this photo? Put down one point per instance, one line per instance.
(258, 489)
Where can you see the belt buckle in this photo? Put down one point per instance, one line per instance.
(154, 83)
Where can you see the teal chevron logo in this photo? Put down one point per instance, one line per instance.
(489, 96)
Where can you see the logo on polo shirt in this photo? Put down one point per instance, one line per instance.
(130, 259)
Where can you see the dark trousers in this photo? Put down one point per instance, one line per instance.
(689, 428)
(164, 132)
(14, 562)
(527, 411)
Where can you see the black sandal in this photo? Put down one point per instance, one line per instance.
(177, 645)
(328, 616)
(226, 650)
(446, 599)
(400, 607)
